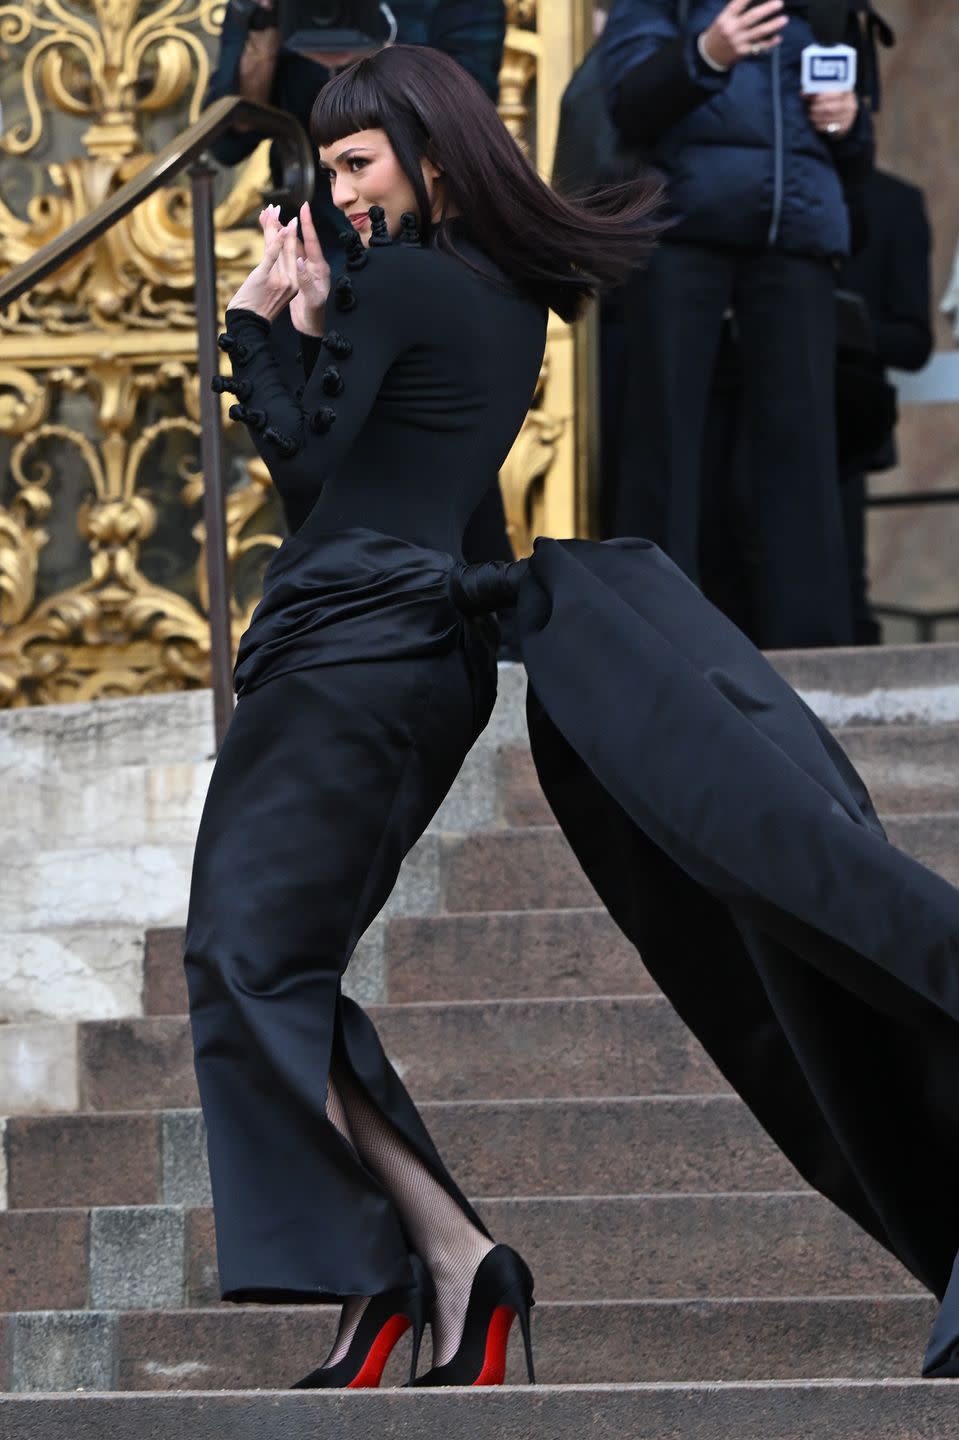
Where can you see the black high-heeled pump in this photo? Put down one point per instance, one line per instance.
(502, 1290)
(384, 1321)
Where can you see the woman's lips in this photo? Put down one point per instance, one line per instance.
(360, 218)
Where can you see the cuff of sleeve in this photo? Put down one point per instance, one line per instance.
(710, 64)
(238, 319)
(707, 80)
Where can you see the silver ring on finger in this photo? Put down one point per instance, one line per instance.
(756, 49)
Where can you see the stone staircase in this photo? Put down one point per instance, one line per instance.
(688, 1283)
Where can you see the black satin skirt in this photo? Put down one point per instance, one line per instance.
(721, 825)
(361, 690)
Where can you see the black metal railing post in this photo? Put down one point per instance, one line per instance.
(211, 449)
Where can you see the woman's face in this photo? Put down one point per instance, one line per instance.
(364, 171)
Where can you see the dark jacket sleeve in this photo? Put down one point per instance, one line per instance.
(472, 32)
(661, 90)
(904, 336)
(652, 70)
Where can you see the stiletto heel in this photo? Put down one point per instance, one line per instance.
(424, 1300)
(383, 1323)
(527, 1339)
(502, 1289)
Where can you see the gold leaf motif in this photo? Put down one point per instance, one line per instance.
(113, 334)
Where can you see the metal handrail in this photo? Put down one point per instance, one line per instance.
(935, 384)
(296, 154)
(190, 149)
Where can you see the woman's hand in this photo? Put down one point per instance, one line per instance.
(303, 266)
(743, 29)
(308, 310)
(289, 274)
(833, 115)
(272, 285)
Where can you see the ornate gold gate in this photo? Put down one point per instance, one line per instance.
(102, 587)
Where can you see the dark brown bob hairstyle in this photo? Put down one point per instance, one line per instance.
(560, 250)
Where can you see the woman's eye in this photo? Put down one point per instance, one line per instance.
(357, 162)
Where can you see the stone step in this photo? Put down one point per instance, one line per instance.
(521, 954)
(161, 804)
(592, 1342)
(890, 683)
(536, 1147)
(624, 1247)
(908, 769)
(47, 892)
(107, 735)
(881, 684)
(475, 1050)
(761, 1410)
(533, 868)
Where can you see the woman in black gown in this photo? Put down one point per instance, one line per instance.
(362, 687)
(721, 825)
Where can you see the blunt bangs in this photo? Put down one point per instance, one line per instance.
(350, 102)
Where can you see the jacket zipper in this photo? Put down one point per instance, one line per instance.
(778, 150)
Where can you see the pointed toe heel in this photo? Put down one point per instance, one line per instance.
(383, 1324)
(502, 1291)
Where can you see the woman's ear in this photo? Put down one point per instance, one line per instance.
(432, 169)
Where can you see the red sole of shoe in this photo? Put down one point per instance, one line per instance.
(371, 1371)
(497, 1337)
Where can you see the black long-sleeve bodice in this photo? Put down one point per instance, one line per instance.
(410, 403)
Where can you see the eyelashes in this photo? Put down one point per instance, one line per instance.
(355, 163)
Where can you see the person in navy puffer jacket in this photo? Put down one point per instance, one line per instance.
(754, 180)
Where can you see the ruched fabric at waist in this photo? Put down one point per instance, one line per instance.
(359, 595)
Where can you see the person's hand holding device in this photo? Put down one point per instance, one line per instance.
(828, 81)
(741, 31)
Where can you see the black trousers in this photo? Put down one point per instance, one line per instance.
(786, 315)
(326, 779)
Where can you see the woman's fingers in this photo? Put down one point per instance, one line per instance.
(312, 248)
(765, 30)
(270, 220)
(834, 114)
(286, 256)
(757, 13)
(742, 29)
(272, 236)
(272, 245)
(832, 106)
